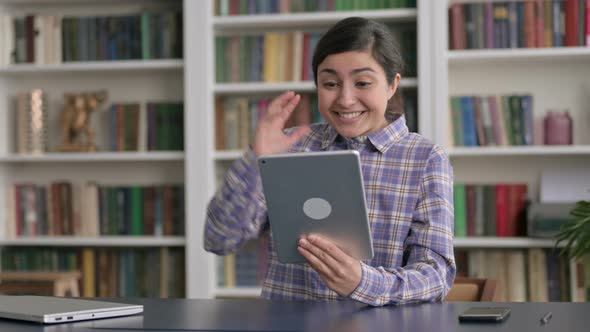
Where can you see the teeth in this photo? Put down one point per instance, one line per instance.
(349, 115)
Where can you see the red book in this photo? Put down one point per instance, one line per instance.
(57, 209)
(168, 210)
(307, 57)
(458, 30)
(571, 22)
(19, 211)
(517, 207)
(149, 210)
(540, 23)
(530, 26)
(502, 213)
(587, 22)
(30, 37)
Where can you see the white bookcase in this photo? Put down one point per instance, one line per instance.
(125, 81)
(317, 21)
(558, 78)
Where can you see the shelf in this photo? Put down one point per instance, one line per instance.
(115, 66)
(307, 20)
(278, 87)
(102, 241)
(499, 56)
(94, 157)
(237, 292)
(540, 151)
(227, 155)
(506, 242)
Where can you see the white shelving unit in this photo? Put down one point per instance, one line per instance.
(265, 88)
(125, 81)
(529, 151)
(119, 66)
(557, 78)
(98, 156)
(102, 241)
(308, 21)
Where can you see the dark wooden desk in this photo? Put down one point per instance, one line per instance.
(262, 315)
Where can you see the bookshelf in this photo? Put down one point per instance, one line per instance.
(140, 81)
(238, 25)
(511, 71)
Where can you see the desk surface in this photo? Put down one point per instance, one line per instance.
(263, 315)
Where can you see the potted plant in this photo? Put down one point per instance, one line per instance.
(576, 233)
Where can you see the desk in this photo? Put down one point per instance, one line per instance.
(263, 315)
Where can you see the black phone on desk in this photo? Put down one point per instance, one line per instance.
(484, 314)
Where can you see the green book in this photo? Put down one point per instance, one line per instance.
(460, 199)
(137, 211)
(516, 117)
(145, 36)
(457, 121)
(505, 103)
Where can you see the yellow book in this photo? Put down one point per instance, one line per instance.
(164, 273)
(229, 265)
(89, 272)
(271, 46)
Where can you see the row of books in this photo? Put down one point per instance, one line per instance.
(236, 118)
(286, 56)
(155, 126)
(492, 120)
(50, 39)
(519, 24)
(151, 272)
(533, 275)
(247, 267)
(270, 57)
(490, 210)
(64, 208)
(249, 7)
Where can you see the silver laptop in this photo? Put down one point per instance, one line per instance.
(316, 192)
(47, 309)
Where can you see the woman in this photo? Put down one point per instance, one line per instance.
(408, 182)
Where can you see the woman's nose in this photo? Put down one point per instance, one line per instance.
(346, 98)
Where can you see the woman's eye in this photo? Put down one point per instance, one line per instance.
(329, 84)
(363, 84)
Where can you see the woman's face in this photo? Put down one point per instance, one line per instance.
(353, 93)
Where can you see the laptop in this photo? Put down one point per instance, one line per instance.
(47, 309)
(316, 192)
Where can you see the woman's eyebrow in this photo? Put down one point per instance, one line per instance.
(352, 72)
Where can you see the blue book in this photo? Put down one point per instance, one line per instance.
(526, 106)
(469, 127)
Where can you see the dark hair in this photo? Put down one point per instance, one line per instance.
(360, 34)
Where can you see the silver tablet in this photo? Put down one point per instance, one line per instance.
(320, 193)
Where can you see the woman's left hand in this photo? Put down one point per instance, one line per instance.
(341, 272)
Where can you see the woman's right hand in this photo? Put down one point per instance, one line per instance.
(270, 138)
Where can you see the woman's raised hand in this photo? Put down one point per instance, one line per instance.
(270, 138)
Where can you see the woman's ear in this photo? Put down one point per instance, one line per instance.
(394, 85)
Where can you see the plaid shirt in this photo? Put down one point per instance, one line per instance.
(409, 187)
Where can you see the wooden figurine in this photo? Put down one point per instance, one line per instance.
(77, 132)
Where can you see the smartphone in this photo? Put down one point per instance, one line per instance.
(484, 314)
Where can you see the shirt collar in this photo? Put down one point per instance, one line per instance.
(382, 140)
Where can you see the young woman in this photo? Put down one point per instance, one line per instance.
(408, 182)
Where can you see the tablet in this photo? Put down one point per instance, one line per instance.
(320, 193)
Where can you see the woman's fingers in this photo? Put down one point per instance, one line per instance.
(298, 134)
